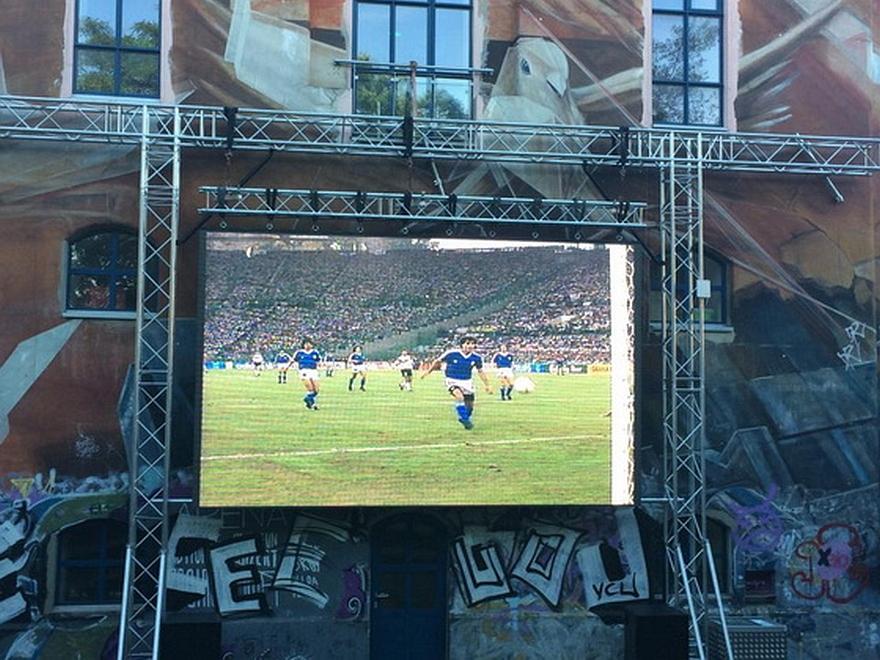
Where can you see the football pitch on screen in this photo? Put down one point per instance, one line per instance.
(261, 446)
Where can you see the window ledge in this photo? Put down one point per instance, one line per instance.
(109, 98)
(717, 328)
(98, 314)
(84, 610)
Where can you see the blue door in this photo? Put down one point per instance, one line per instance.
(408, 589)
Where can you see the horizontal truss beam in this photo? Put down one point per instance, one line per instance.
(270, 203)
(303, 132)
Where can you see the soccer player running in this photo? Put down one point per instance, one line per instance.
(405, 363)
(357, 361)
(282, 364)
(308, 359)
(458, 369)
(257, 361)
(503, 361)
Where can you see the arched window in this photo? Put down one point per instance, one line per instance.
(89, 564)
(102, 272)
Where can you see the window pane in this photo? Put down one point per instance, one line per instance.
(668, 45)
(704, 106)
(715, 308)
(374, 33)
(97, 22)
(92, 251)
(78, 585)
(81, 542)
(125, 295)
(668, 104)
(127, 256)
(373, 94)
(140, 23)
(704, 49)
(452, 99)
(705, 5)
(411, 35)
(713, 271)
(423, 97)
(94, 71)
(452, 38)
(89, 291)
(113, 582)
(140, 74)
(668, 4)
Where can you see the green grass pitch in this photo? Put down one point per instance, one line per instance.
(261, 447)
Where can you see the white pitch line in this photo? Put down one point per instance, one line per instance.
(364, 450)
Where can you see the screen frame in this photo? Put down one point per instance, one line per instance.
(432, 232)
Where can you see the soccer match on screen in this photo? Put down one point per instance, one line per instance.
(385, 371)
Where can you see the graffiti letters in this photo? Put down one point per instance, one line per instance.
(830, 565)
(851, 354)
(544, 559)
(236, 581)
(479, 568)
(300, 564)
(615, 571)
(192, 528)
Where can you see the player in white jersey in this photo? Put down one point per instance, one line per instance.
(406, 364)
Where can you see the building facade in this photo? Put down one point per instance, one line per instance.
(791, 380)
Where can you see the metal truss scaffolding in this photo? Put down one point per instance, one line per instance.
(681, 226)
(273, 203)
(681, 157)
(154, 355)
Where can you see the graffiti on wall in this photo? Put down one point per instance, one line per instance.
(759, 527)
(609, 565)
(248, 573)
(831, 565)
(615, 570)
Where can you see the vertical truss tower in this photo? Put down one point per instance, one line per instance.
(681, 232)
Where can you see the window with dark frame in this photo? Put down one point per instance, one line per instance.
(116, 48)
(389, 34)
(687, 62)
(90, 563)
(716, 308)
(102, 271)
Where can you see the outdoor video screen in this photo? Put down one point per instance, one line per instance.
(384, 371)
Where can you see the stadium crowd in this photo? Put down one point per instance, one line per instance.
(547, 304)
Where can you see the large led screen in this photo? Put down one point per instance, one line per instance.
(371, 371)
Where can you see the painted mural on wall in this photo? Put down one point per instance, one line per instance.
(792, 384)
(34, 508)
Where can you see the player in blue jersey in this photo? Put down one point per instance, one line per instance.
(503, 361)
(358, 364)
(458, 367)
(308, 359)
(282, 364)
